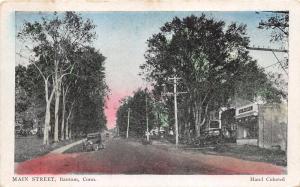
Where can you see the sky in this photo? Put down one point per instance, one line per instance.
(122, 38)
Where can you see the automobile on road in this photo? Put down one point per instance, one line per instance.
(93, 142)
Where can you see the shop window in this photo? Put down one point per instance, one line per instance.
(214, 124)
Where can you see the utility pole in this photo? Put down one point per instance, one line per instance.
(175, 108)
(128, 116)
(147, 123)
(175, 93)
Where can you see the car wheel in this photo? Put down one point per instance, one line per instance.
(102, 146)
(96, 148)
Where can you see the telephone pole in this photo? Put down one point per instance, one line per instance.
(175, 93)
(128, 116)
(147, 122)
(175, 108)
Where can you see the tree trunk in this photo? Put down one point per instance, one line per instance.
(67, 125)
(187, 124)
(68, 128)
(63, 114)
(56, 109)
(47, 112)
(70, 132)
(199, 117)
(47, 123)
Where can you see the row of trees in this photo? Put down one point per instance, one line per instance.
(139, 110)
(135, 110)
(214, 66)
(64, 74)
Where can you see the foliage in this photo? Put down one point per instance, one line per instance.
(28, 101)
(138, 111)
(212, 61)
(278, 22)
(89, 92)
(63, 64)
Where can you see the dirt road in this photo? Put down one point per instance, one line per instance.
(127, 157)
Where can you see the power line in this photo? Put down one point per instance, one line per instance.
(280, 63)
(270, 65)
(273, 51)
(267, 49)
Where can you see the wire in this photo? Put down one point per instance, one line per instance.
(279, 63)
(270, 65)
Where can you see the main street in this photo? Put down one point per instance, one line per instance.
(128, 157)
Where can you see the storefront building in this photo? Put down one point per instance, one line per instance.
(247, 124)
(262, 125)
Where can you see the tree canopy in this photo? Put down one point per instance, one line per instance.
(212, 61)
(64, 65)
(278, 22)
(140, 105)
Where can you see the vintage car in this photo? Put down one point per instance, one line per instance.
(20, 130)
(209, 137)
(93, 142)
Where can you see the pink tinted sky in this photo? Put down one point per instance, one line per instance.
(112, 105)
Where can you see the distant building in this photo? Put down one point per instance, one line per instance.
(214, 120)
(263, 125)
(273, 122)
(243, 122)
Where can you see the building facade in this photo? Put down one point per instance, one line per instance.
(263, 125)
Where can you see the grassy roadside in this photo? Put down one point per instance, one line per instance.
(254, 153)
(29, 147)
(248, 152)
(244, 152)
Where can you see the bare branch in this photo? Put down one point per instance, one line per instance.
(33, 62)
(62, 76)
(70, 66)
(205, 97)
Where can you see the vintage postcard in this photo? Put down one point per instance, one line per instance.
(150, 93)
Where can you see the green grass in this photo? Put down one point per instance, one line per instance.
(30, 147)
(254, 153)
(245, 152)
(75, 149)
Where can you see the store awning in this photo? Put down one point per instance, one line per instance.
(254, 113)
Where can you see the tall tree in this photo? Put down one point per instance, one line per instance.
(53, 40)
(88, 92)
(211, 59)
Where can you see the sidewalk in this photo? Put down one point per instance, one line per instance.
(66, 147)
